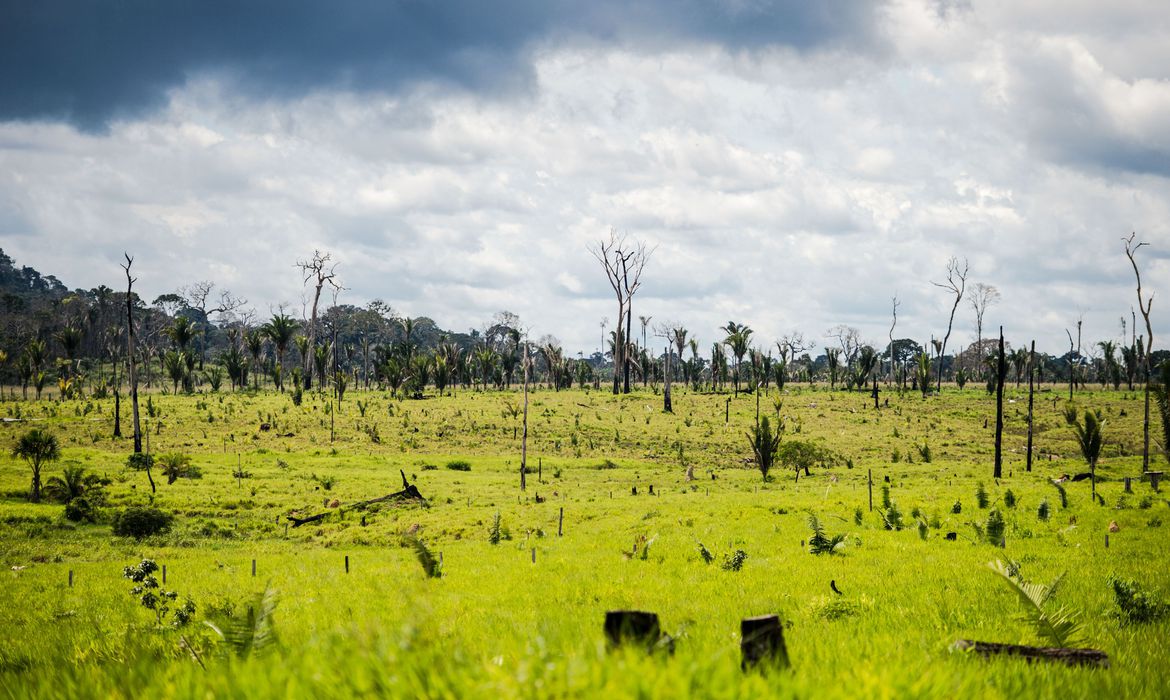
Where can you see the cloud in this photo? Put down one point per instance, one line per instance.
(92, 62)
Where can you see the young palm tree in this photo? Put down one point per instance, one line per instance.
(70, 340)
(254, 341)
(75, 482)
(1088, 438)
(175, 466)
(738, 340)
(833, 355)
(181, 332)
(765, 445)
(280, 330)
(175, 364)
(37, 447)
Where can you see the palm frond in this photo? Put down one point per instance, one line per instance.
(254, 632)
(1060, 627)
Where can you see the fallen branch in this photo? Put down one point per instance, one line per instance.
(409, 492)
(1069, 657)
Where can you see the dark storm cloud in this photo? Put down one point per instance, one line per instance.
(89, 61)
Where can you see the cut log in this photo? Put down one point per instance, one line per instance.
(409, 492)
(1069, 657)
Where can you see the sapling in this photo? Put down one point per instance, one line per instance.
(154, 597)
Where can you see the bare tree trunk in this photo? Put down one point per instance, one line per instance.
(1031, 395)
(524, 438)
(130, 353)
(1000, 376)
(666, 392)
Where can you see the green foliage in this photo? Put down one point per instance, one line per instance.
(995, 527)
(1136, 604)
(252, 633)
(892, 517)
(803, 454)
(494, 534)
(1088, 434)
(1009, 499)
(1043, 511)
(1059, 627)
(156, 599)
(820, 543)
(175, 466)
(706, 554)
(734, 561)
(459, 465)
(981, 497)
(76, 482)
(1161, 393)
(924, 452)
(765, 445)
(36, 447)
(885, 496)
(81, 510)
(957, 507)
(1063, 494)
(141, 521)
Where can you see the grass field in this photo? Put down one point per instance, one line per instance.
(498, 623)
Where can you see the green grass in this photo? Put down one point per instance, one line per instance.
(497, 624)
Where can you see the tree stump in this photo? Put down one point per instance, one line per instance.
(631, 627)
(762, 642)
(1154, 479)
(1069, 657)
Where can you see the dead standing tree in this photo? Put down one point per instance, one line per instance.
(195, 295)
(956, 284)
(982, 297)
(1144, 305)
(623, 261)
(320, 271)
(133, 371)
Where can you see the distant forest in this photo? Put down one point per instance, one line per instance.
(199, 337)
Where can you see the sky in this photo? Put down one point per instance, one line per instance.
(793, 166)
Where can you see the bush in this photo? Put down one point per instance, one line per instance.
(80, 510)
(981, 498)
(141, 521)
(1009, 499)
(995, 528)
(459, 465)
(1137, 605)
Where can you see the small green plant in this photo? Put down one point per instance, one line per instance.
(924, 452)
(820, 543)
(494, 535)
(923, 529)
(706, 554)
(735, 560)
(1059, 627)
(1136, 604)
(885, 497)
(995, 527)
(326, 481)
(252, 633)
(957, 508)
(1043, 511)
(459, 465)
(858, 515)
(764, 444)
(1009, 499)
(1063, 494)
(154, 598)
(981, 498)
(141, 521)
(892, 517)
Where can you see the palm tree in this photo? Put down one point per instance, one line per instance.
(37, 447)
(254, 341)
(175, 364)
(70, 339)
(175, 466)
(280, 330)
(393, 373)
(407, 325)
(833, 355)
(181, 332)
(302, 345)
(1088, 439)
(1112, 369)
(765, 444)
(738, 339)
(75, 483)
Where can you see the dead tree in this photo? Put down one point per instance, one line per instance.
(623, 261)
(956, 284)
(982, 296)
(890, 350)
(409, 492)
(527, 362)
(133, 371)
(320, 271)
(1000, 378)
(1144, 305)
(196, 295)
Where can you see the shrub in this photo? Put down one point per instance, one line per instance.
(1009, 499)
(995, 528)
(1043, 511)
(981, 498)
(81, 510)
(957, 508)
(459, 465)
(1137, 605)
(735, 560)
(141, 521)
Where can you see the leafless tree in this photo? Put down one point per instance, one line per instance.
(956, 284)
(319, 270)
(890, 347)
(623, 261)
(196, 295)
(133, 371)
(1144, 305)
(982, 297)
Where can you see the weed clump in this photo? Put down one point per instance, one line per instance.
(141, 521)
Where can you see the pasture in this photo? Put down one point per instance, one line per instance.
(518, 608)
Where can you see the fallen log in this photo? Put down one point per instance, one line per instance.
(1069, 657)
(409, 492)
